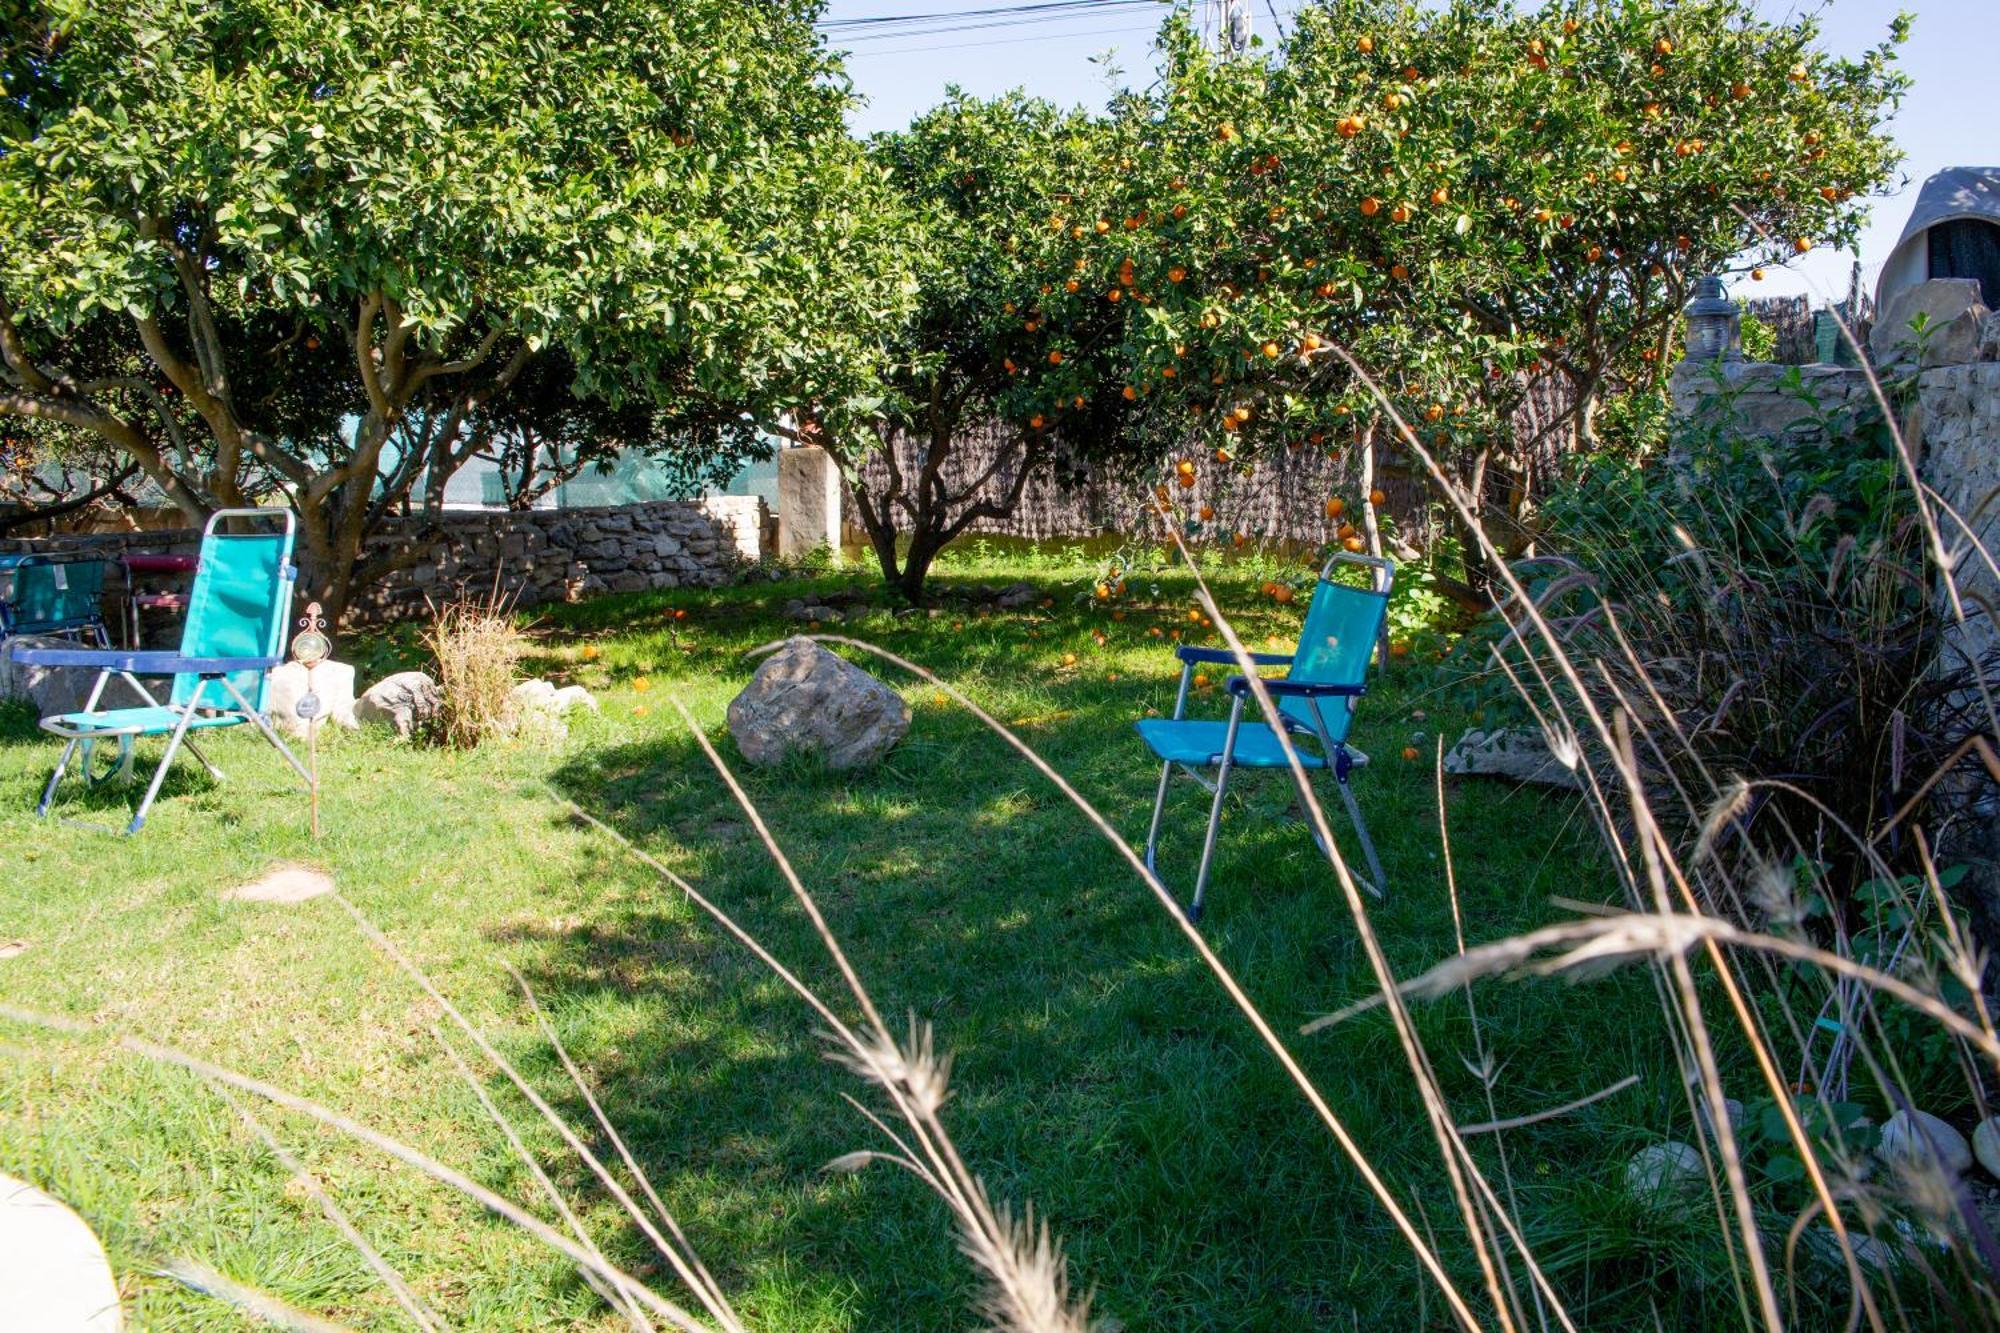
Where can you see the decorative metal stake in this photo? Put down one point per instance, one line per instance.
(310, 647)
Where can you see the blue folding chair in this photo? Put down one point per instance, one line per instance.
(1315, 699)
(43, 596)
(239, 611)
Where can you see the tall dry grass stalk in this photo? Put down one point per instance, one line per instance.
(477, 647)
(1560, 690)
(1607, 712)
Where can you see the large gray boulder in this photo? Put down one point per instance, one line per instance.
(805, 700)
(1519, 753)
(54, 690)
(406, 701)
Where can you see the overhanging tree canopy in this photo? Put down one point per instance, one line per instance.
(388, 205)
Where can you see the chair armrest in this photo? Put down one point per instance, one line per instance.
(1298, 689)
(140, 664)
(1223, 657)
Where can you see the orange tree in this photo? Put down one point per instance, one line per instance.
(281, 251)
(1009, 368)
(1465, 197)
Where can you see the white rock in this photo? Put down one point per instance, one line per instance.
(1664, 1173)
(332, 682)
(405, 701)
(805, 700)
(1872, 1253)
(532, 694)
(574, 696)
(53, 1273)
(1986, 1144)
(1901, 1143)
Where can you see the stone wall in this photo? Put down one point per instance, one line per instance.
(540, 556)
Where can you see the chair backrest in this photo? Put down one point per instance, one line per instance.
(1342, 626)
(52, 598)
(240, 604)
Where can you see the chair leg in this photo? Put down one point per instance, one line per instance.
(264, 726)
(1381, 883)
(1159, 805)
(160, 773)
(206, 762)
(55, 779)
(1215, 809)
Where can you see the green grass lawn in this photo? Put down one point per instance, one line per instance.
(1099, 1071)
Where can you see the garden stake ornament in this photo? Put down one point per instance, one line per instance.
(309, 648)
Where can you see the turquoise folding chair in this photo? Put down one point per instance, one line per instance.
(239, 612)
(1315, 699)
(43, 596)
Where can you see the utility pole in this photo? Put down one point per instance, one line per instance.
(1232, 26)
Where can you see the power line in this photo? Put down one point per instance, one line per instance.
(1039, 6)
(913, 24)
(998, 41)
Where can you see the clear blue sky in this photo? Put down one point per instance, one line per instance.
(1948, 119)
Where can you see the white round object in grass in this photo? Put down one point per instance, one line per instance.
(53, 1273)
(1664, 1173)
(332, 682)
(284, 884)
(1900, 1142)
(1986, 1144)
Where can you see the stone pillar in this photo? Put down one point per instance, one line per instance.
(808, 502)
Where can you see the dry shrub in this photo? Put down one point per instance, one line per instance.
(477, 646)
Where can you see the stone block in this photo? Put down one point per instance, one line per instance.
(808, 502)
(1938, 303)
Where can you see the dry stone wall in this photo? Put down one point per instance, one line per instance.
(535, 557)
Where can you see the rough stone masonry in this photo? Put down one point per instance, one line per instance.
(533, 557)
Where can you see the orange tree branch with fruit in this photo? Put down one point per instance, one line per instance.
(1466, 197)
(1017, 337)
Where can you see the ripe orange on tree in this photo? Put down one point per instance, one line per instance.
(1335, 506)
(1370, 206)
(1377, 498)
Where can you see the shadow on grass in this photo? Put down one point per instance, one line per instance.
(1100, 1074)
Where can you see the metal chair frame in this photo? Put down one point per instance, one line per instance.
(1332, 755)
(200, 709)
